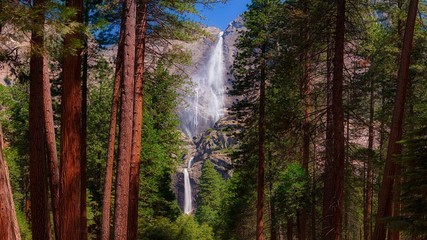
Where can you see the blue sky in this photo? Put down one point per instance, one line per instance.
(221, 14)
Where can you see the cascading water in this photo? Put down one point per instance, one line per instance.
(205, 107)
(188, 208)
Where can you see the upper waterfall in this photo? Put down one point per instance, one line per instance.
(206, 105)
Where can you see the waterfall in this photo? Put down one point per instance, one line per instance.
(206, 105)
(188, 208)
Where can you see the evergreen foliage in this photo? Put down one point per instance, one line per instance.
(211, 198)
(413, 218)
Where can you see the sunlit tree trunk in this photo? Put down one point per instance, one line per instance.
(8, 223)
(137, 119)
(52, 153)
(126, 124)
(391, 168)
(106, 200)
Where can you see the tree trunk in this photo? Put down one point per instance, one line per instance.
(290, 229)
(8, 222)
(137, 119)
(384, 197)
(334, 181)
(305, 91)
(126, 123)
(38, 165)
(106, 200)
(52, 153)
(367, 211)
(261, 155)
(71, 126)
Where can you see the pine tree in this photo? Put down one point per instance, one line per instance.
(211, 196)
(390, 169)
(40, 221)
(126, 120)
(70, 170)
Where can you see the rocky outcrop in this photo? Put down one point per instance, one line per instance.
(231, 34)
(215, 145)
(217, 142)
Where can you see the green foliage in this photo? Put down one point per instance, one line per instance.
(99, 107)
(24, 226)
(413, 217)
(211, 198)
(160, 146)
(184, 228)
(291, 191)
(14, 120)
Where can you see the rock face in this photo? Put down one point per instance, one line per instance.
(230, 36)
(215, 144)
(216, 140)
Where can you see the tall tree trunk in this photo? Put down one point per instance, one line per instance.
(71, 126)
(329, 124)
(261, 154)
(334, 181)
(290, 229)
(106, 200)
(52, 153)
(8, 223)
(384, 197)
(38, 165)
(305, 91)
(126, 124)
(137, 119)
(367, 210)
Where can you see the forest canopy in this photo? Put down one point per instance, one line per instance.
(131, 120)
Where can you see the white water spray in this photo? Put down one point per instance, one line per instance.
(206, 106)
(188, 208)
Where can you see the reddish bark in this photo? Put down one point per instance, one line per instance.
(52, 153)
(71, 125)
(38, 165)
(8, 223)
(126, 124)
(137, 119)
(334, 181)
(106, 201)
(390, 169)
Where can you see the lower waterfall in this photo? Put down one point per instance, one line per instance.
(205, 107)
(188, 208)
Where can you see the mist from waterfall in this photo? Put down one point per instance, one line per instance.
(206, 105)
